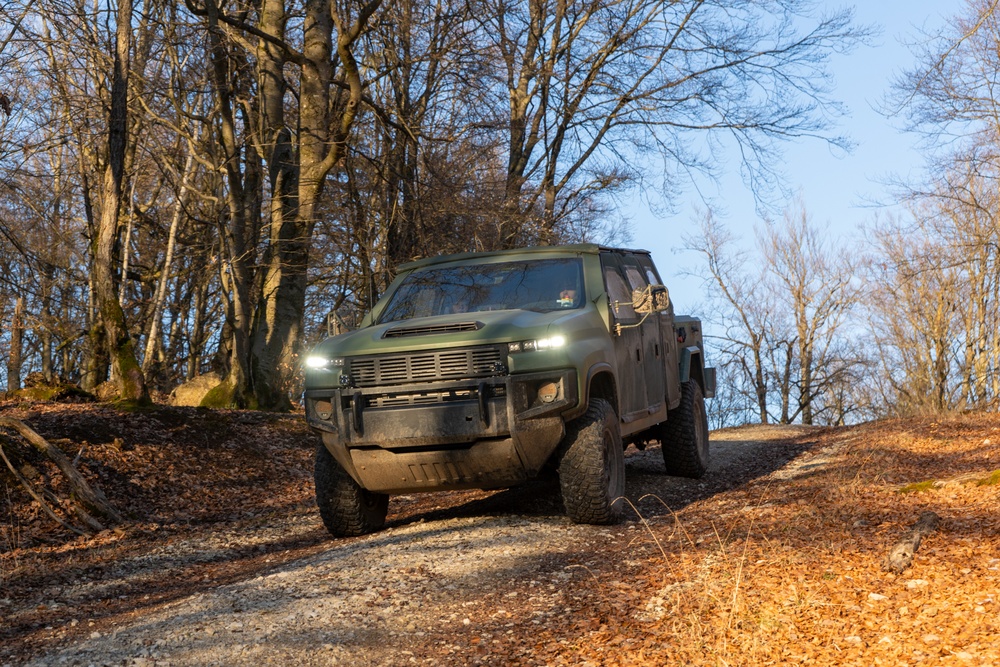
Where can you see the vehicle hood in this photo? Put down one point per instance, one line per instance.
(460, 330)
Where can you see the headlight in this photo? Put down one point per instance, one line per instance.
(550, 343)
(316, 361)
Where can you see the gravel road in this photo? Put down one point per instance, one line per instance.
(454, 579)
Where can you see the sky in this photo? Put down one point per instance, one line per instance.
(837, 189)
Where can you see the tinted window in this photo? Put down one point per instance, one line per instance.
(540, 285)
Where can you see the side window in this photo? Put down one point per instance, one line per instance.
(654, 279)
(647, 265)
(619, 294)
(635, 278)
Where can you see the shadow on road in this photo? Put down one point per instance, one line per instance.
(650, 490)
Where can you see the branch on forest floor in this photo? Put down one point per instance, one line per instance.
(901, 555)
(87, 501)
(977, 478)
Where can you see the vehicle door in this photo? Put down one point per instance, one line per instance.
(652, 340)
(627, 336)
(668, 337)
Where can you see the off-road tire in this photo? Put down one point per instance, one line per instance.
(592, 466)
(346, 508)
(684, 436)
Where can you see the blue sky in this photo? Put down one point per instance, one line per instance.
(837, 188)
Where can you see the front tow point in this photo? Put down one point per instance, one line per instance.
(484, 413)
(356, 412)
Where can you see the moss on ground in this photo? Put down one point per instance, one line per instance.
(918, 487)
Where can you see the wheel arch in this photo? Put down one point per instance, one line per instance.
(601, 383)
(692, 367)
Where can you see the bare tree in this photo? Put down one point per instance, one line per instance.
(591, 85)
(742, 307)
(298, 162)
(943, 272)
(783, 312)
(913, 299)
(950, 97)
(127, 372)
(14, 356)
(950, 94)
(966, 224)
(816, 284)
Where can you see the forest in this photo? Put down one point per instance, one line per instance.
(193, 187)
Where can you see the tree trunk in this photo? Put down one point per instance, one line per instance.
(152, 338)
(806, 384)
(278, 327)
(237, 234)
(95, 362)
(277, 322)
(16, 335)
(196, 336)
(760, 384)
(401, 237)
(46, 320)
(125, 369)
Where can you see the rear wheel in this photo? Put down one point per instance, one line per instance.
(684, 436)
(592, 466)
(345, 507)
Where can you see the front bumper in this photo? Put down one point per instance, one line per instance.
(480, 433)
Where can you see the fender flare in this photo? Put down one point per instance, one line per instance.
(691, 365)
(595, 370)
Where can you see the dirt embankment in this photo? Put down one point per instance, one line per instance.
(777, 555)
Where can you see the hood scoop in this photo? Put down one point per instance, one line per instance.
(457, 327)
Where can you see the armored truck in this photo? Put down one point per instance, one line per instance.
(486, 370)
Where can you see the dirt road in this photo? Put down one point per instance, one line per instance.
(460, 578)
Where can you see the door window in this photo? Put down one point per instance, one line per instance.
(635, 278)
(619, 294)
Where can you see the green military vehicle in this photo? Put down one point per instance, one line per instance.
(485, 370)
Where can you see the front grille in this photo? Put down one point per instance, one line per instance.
(390, 369)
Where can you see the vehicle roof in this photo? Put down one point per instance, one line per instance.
(575, 248)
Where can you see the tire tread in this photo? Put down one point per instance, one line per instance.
(680, 433)
(583, 476)
(347, 509)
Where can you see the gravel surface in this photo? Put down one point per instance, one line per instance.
(455, 578)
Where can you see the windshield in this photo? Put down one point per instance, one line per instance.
(541, 285)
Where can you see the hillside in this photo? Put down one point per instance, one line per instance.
(775, 557)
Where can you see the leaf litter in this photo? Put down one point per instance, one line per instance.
(781, 565)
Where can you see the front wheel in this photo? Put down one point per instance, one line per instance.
(684, 436)
(346, 508)
(592, 466)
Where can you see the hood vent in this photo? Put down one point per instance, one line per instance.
(400, 332)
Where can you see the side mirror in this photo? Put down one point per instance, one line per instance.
(335, 324)
(651, 299)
